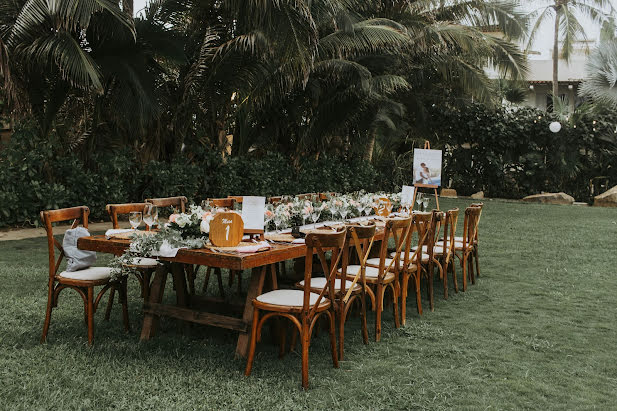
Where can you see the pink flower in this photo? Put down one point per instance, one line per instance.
(172, 218)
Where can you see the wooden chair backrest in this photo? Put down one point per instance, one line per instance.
(178, 203)
(307, 196)
(121, 209)
(237, 199)
(361, 238)
(449, 232)
(400, 230)
(48, 217)
(470, 226)
(223, 202)
(321, 243)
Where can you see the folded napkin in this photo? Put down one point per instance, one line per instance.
(114, 231)
(261, 246)
(166, 250)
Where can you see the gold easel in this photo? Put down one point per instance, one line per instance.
(427, 146)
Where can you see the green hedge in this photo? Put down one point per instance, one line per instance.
(34, 177)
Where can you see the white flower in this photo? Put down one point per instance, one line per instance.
(183, 220)
(204, 227)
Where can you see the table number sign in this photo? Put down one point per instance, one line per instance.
(253, 209)
(226, 229)
(384, 207)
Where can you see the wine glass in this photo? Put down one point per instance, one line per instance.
(343, 211)
(419, 199)
(150, 215)
(315, 214)
(135, 219)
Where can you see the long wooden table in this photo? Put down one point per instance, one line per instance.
(184, 309)
(154, 308)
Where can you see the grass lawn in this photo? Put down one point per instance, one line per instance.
(538, 330)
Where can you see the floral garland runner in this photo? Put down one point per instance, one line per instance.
(191, 229)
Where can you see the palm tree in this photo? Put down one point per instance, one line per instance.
(601, 82)
(567, 27)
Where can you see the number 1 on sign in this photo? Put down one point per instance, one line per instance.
(227, 232)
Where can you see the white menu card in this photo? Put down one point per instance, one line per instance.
(253, 209)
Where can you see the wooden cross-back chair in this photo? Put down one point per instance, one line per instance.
(383, 272)
(82, 281)
(303, 307)
(447, 248)
(423, 257)
(144, 267)
(178, 203)
(360, 239)
(468, 245)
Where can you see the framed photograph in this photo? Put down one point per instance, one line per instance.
(427, 167)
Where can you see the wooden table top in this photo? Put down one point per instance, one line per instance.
(203, 256)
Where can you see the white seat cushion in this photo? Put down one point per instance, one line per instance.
(375, 261)
(88, 274)
(371, 272)
(457, 244)
(293, 298)
(320, 282)
(144, 262)
(438, 249)
(424, 256)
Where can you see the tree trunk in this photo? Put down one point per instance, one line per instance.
(556, 56)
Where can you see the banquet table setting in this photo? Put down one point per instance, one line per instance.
(358, 252)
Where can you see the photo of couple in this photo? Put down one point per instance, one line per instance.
(427, 167)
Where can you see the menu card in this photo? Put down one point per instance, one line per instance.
(253, 209)
(407, 195)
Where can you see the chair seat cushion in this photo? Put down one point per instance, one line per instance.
(289, 298)
(320, 283)
(424, 256)
(88, 274)
(371, 272)
(143, 262)
(457, 244)
(437, 250)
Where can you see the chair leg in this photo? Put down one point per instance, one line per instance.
(306, 341)
(430, 280)
(341, 329)
(332, 332)
(124, 300)
(379, 304)
(464, 267)
(90, 311)
(395, 294)
(418, 296)
(251, 357)
(452, 266)
(363, 317)
(445, 279)
(110, 303)
(50, 303)
(404, 287)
